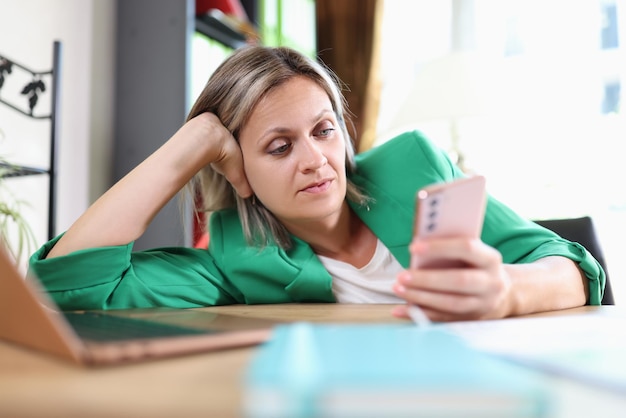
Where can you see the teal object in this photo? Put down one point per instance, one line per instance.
(324, 370)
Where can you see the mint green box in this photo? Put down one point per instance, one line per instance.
(385, 370)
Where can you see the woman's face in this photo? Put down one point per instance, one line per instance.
(294, 153)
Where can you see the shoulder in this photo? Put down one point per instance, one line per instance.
(225, 223)
(266, 274)
(228, 243)
(409, 151)
(409, 158)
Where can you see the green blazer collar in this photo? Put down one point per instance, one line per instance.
(312, 282)
(390, 221)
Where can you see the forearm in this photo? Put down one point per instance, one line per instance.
(124, 212)
(548, 284)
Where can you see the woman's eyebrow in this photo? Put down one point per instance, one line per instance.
(321, 114)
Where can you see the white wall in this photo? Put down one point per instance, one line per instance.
(86, 30)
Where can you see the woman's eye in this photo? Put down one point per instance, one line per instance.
(326, 132)
(277, 149)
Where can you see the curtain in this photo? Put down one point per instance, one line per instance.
(348, 41)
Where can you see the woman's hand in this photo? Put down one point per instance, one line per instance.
(479, 289)
(484, 287)
(225, 157)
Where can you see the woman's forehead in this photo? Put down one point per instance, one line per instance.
(296, 98)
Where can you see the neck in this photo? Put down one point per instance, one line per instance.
(346, 238)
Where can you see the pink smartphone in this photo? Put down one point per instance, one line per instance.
(453, 209)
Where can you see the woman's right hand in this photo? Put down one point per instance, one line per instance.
(226, 157)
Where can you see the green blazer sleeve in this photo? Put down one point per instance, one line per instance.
(230, 272)
(117, 278)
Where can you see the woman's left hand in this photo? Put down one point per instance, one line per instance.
(479, 289)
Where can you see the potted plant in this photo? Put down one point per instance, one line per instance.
(15, 231)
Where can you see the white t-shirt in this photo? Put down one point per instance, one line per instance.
(371, 283)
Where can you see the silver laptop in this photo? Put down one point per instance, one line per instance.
(28, 317)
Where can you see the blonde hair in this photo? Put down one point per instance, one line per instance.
(231, 93)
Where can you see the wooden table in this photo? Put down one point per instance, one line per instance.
(207, 385)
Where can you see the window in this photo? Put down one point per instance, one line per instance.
(611, 101)
(206, 55)
(610, 36)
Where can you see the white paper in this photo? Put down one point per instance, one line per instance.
(591, 348)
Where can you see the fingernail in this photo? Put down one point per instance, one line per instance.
(399, 289)
(419, 246)
(404, 276)
(399, 311)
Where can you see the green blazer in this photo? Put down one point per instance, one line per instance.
(233, 272)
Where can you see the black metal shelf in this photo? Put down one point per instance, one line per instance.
(214, 25)
(10, 170)
(32, 91)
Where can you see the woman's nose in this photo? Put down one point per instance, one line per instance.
(311, 155)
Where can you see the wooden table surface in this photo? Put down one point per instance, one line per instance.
(208, 385)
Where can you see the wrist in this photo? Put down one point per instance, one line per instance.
(513, 303)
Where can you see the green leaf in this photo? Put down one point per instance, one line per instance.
(12, 220)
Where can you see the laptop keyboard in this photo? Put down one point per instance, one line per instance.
(103, 327)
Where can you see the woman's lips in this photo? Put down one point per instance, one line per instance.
(317, 187)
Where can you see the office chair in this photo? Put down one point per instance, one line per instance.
(582, 231)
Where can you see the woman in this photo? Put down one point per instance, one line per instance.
(297, 218)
